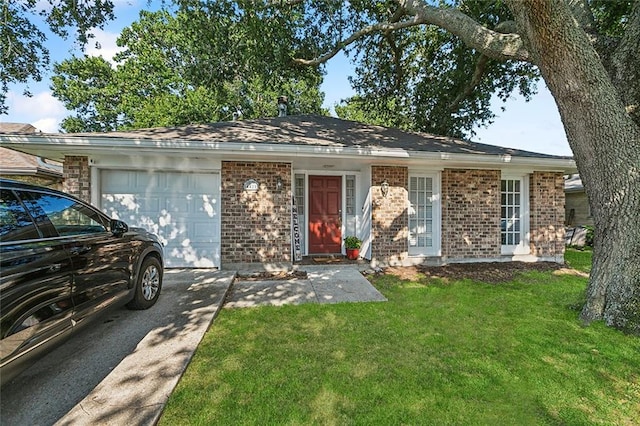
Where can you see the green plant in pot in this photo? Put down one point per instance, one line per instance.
(352, 244)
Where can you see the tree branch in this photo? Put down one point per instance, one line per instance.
(490, 43)
(370, 29)
(625, 66)
(481, 67)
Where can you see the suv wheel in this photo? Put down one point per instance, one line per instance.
(148, 284)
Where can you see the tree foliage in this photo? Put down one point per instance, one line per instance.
(201, 64)
(424, 78)
(23, 50)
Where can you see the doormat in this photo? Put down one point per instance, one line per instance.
(328, 259)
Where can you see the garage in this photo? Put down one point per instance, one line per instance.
(183, 209)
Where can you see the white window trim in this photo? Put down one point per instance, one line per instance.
(523, 247)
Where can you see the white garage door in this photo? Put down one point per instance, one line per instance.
(181, 208)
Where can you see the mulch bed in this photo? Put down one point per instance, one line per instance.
(489, 272)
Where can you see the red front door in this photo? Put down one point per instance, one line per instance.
(325, 214)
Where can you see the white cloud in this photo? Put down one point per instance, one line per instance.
(47, 125)
(107, 41)
(42, 110)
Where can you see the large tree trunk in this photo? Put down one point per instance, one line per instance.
(606, 145)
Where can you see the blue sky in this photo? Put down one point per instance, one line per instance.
(533, 126)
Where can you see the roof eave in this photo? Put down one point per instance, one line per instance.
(36, 144)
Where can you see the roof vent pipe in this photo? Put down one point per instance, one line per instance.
(282, 106)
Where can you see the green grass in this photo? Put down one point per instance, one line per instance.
(579, 259)
(461, 353)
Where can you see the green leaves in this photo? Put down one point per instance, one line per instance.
(23, 53)
(424, 78)
(201, 64)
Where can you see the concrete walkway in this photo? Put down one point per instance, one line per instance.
(324, 284)
(135, 392)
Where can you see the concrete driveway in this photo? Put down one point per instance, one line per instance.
(122, 368)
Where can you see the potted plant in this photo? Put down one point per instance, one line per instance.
(352, 244)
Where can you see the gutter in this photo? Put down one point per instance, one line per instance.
(74, 145)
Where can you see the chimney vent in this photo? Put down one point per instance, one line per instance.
(282, 106)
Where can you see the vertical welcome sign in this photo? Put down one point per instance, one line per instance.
(296, 244)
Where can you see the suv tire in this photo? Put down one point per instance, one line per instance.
(148, 284)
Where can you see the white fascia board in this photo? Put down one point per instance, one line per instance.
(97, 145)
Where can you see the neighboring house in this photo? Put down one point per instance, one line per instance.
(221, 194)
(25, 167)
(577, 210)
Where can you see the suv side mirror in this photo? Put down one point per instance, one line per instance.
(119, 227)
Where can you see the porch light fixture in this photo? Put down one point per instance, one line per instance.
(278, 183)
(384, 188)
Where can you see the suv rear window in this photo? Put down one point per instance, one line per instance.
(15, 223)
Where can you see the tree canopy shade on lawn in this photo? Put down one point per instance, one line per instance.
(586, 51)
(438, 352)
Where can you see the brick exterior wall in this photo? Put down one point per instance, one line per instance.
(546, 205)
(256, 226)
(389, 220)
(470, 213)
(77, 177)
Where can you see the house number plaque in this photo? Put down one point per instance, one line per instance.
(251, 185)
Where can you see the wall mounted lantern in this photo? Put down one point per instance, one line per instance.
(279, 183)
(384, 188)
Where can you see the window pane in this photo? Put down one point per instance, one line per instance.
(67, 216)
(510, 211)
(300, 195)
(15, 223)
(350, 195)
(421, 211)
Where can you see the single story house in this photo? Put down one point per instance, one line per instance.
(271, 191)
(25, 167)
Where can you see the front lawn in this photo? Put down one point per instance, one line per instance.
(438, 352)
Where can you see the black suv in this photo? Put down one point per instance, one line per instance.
(62, 262)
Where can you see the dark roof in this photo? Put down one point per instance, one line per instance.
(17, 163)
(573, 183)
(316, 130)
(20, 128)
